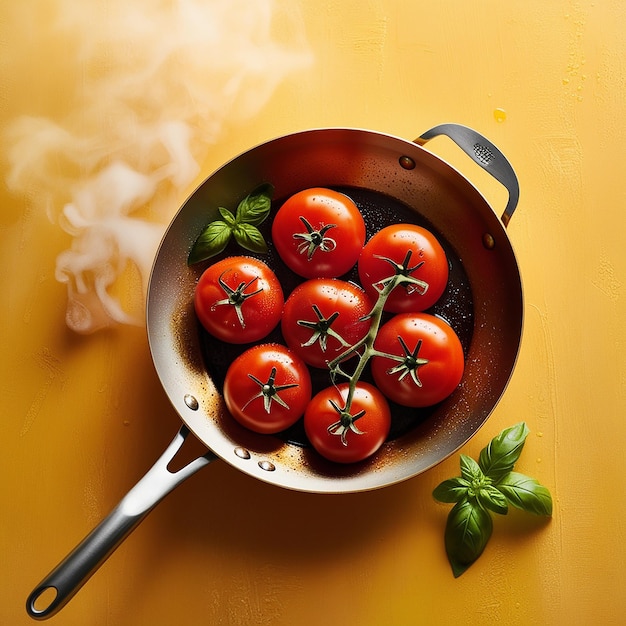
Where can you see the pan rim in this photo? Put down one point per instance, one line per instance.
(288, 462)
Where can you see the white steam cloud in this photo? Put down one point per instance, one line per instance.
(155, 84)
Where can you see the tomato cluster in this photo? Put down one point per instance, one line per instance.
(414, 358)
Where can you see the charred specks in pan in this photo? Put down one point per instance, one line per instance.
(455, 306)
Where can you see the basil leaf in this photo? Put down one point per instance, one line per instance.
(526, 493)
(470, 470)
(252, 210)
(228, 217)
(255, 207)
(489, 485)
(468, 530)
(498, 458)
(213, 239)
(250, 238)
(493, 499)
(451, 490)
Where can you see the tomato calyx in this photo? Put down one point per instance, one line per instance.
(345, 423)
(236, 297)
(312, 239)
(322, 329)
(404, 270)
(269, 391)
(408, 363)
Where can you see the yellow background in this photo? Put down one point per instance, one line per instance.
(84, 416)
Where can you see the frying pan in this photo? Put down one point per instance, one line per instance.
(402, 181)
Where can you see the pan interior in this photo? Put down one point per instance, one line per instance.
(482, 303)
(378, 210)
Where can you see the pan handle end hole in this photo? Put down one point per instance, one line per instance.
(42, 600)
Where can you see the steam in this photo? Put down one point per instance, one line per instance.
(156, 83)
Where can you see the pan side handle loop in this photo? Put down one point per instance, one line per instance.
(58, 587)
(483, 152)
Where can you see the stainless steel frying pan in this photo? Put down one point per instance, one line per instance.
(399, 173)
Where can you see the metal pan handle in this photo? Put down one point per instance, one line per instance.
(58, 587)
(483, 152)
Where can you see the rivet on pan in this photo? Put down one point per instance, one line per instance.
(191, 402)
(267, 466)
(242, 453)
(488, 241)
(406, 162)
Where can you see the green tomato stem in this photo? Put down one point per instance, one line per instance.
(364, 348)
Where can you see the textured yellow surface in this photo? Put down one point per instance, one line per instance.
(84, 415)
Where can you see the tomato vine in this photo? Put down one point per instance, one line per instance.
(364, 348)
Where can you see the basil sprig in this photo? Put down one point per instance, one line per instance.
(488, 486)
(242, 226)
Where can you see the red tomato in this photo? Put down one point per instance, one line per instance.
(239, 300)
(427, 363)
(319, 233)
(324, 316)
(410, 250)
(335, 437)
(267, 388)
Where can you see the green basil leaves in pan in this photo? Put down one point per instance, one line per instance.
(486, 487)
(242, 226)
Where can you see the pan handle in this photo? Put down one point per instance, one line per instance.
(483, 152)
(58, 587)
